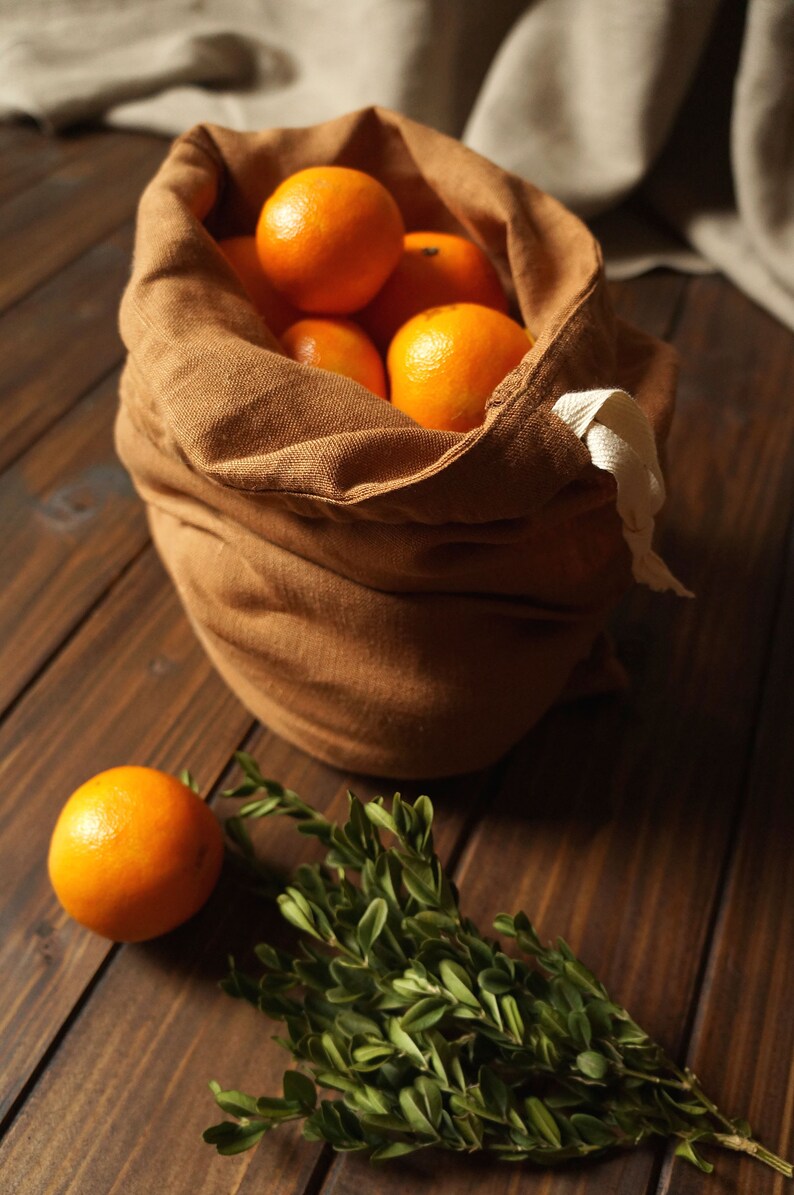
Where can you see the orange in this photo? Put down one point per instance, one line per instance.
(444, 363)
(329, 237)
(436, 268)
(274, 308)
(340, 346)
(134, 853)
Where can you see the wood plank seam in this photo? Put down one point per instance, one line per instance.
(112, 230)
(52, 1048)
(101, 378)
(24, 274)
(77, 306)
(64, 643)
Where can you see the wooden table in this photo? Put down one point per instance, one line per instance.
(654, 832)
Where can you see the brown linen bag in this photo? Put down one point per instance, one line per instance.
(392, 599)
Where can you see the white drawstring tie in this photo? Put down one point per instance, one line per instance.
(620, 440)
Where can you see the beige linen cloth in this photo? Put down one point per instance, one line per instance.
(669, 124)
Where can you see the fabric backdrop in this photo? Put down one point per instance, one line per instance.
(668, 124)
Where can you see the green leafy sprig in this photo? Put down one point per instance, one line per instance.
(428, 1033)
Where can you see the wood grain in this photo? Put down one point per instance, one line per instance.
(59, 341)
(652, 302)
(132, 686)
(743, 1041)
(73, 523)
(28, 155)
(45, 226)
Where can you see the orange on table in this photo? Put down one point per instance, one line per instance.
(436, 268)
(274, 308)
(328, 238)
(134, 853)
(338, 345)
(444, 363)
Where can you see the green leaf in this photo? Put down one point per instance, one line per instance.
(569, 996)
(258, 809)
(397, 1149)
(688, 1109)
(400, 815)
(291, 912)
(584, 979)
(340, 995)
(335, 1049)
(229, 1138)
(470, 1129)
(420, 891)
(495, 981)
(413, 1113)
(543, 1120)
(237, 832)
(379, 816)
(512, 1016)
(299, 1089)
(248, 764)
(273, 1105)
(374, 1053)
(269, 956)
(352, 1022)
(404, 1042)
(356, 977)
(592, 1064)
(580, 1028)
(372, 923)
(494, 1091)
(430, 1094)
(189, 781)
(685, 1149)
(492, 1005)
(423, 810)
(385, 1122)
(424, 1014)
(457, 982)
(336, 1080)
(440, 1055)
(504, 924)
(236, 1103)
(592, 1130)
(369, 1100)
(240, 985)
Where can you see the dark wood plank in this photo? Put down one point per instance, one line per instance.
(156, 1028)
(73, 522)
(49, 224)
(132, 686)
(743, 1042)
(60, 341)
(28, 154)
(651, 302)
(614, 819)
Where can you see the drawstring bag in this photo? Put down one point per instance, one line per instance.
(392, 599)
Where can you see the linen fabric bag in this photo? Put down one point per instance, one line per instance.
(392, 599)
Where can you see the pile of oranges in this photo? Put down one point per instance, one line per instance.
(419, 318)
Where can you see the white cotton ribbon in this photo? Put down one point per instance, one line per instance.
(620, 440)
